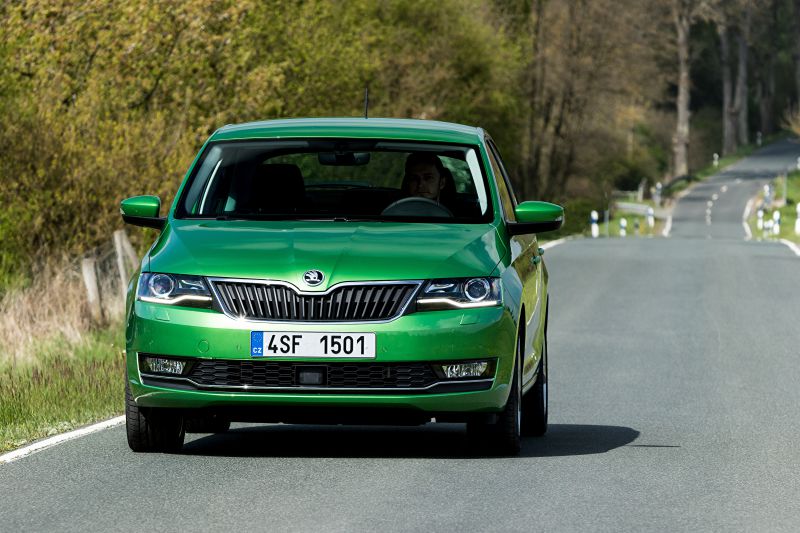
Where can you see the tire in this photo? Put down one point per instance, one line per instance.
(210, 424)
(534, 403)
(152, 430)
(503, 435)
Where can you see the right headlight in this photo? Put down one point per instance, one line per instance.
(459, 293)
(174, 289)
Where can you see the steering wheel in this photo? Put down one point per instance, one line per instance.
(416, 206)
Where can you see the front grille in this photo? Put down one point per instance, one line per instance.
(337, 375)
(264, 301)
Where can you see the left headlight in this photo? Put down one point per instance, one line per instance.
(174, 289)
(459, 293)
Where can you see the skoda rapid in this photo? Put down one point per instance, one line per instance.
(340, 271)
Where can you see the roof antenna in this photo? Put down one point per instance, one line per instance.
(366, 102)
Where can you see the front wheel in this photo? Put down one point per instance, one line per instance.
(152, 430)
(534, 403)
(502, 436)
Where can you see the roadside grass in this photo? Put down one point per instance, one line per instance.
(788, 210)
(58, 371)
(64, 385)
(615, 226)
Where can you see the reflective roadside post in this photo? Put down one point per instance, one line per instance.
(593, 218)
(758, 138)
(651, 218)
(760, 222)
(623, 227)
(797, 221)
(776, 227)
(657, 194)
(716, 160)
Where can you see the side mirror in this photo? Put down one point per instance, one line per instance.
(142, 211)
(536, 217)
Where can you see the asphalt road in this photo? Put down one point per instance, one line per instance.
(675, 406)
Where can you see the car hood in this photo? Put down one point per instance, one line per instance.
(343, 251)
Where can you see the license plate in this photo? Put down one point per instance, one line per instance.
(311, 344)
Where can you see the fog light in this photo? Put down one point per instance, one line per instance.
(160, 365)
(465, 370)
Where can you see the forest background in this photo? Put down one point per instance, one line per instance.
(107, 99)
(104, 99)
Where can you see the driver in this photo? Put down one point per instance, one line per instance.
(424, 176)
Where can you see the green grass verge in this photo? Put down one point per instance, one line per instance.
(788, 211)
(65, 386)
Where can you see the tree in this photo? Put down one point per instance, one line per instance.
(683, 13)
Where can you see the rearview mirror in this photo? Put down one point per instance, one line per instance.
(142, 211)
(536, 217)
(349, 159)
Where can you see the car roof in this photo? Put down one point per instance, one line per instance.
(356, 128)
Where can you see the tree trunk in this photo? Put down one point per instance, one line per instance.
(680, 141)
(740, 99)
(527, 170)
(766, 96)
(797, 49)
(766, 79)
(728, 118)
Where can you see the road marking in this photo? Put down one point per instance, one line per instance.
(724, 188)
(58, 439)
(792, 246)
(715, 197)
(548, 245)
(668, 227)
(745, 216)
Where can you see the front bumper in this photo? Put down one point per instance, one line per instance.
(421, 337)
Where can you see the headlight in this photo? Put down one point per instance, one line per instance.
(459, 293)
(174, 289)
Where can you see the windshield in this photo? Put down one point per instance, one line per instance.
(338, 179)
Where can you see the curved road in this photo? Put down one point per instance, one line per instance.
(675, 405)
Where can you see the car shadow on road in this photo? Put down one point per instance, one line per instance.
(446, 441)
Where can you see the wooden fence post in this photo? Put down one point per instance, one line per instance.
(119, 237)
(128, 248)
(89, 270)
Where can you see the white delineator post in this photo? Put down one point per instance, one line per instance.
(760, 221)
(651, 218)
(716, 160)
(776, 227)
(797, 221)
(593, 218)
(623, 227)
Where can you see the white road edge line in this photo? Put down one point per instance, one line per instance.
(668, 227)
(745, 216)
(58, 439)
(550, 244)
(792, 246)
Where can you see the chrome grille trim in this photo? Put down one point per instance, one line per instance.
(351, 302)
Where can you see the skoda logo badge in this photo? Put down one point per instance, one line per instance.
(313, 277)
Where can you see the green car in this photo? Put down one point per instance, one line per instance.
(340, 271)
